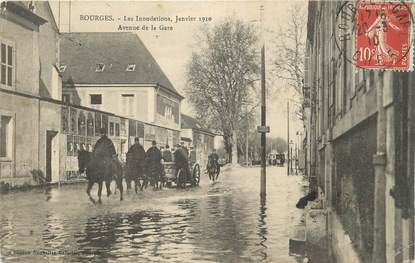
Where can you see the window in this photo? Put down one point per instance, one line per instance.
(65, 120)
(97, 123)
(7, 65)
(90, 125)
(117, 129)
(73, 121)
(130, 67)
(123, 127)
(81, 123)
(96, 99)
(168, 113)
(127, 105)
(111, 129)
(66, 98)
(100, 67)
(5, 136)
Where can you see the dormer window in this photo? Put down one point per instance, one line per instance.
(32, 7)
(130, 67)
(62, 68)
(100, 67)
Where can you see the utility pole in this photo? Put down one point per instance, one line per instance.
(70, 5)
(263, 129)
(288, 138)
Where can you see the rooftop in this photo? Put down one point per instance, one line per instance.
(191, 123)
(112, 53)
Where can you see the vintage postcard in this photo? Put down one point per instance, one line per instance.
(207, 131)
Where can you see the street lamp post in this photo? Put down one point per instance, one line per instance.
(291, 156)
(289, 149)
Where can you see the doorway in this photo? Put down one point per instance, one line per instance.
(52, 157)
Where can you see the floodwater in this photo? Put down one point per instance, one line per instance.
(225, 221)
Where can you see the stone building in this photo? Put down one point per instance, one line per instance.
(29, 86)
(202, 139)
(360, 143)
(114, 72)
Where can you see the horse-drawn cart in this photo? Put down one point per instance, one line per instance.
(181, 177)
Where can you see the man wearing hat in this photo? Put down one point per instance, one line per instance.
(167, 154)
(181, 159)
(136, 156)
(184, 148)
(192, 155)
(154, 167)
(104, 148)
(214, 157)
(104, 151)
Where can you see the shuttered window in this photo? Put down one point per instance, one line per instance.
(6, 64)
(6, 134)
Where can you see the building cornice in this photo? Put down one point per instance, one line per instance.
(19, 10)
(61, 103)
(110, 85)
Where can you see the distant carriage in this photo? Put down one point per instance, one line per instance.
(276, 159)
(180, 177)
(280, 159)
(272, 159)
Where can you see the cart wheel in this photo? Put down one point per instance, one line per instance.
(196, 175)
(181, 179)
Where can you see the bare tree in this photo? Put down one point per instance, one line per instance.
(290, 49)
(220, 78)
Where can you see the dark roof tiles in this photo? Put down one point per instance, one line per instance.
(191, 123)
(81, 52)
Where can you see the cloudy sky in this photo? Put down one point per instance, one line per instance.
(172, 49)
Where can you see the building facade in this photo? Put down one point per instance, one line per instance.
(49, 109)
(202, 139)
(360, 144)
(114, 72)
(29, 83)
(113, 81)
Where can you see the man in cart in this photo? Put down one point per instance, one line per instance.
(167, 156)
(181, 159)
(192, 156)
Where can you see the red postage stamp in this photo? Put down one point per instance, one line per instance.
(384, 36)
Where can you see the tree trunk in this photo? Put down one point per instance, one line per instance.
(234, 148)
(228, 148)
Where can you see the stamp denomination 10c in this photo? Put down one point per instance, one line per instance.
(384, 33)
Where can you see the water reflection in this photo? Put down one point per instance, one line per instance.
(262, 228)
(48, 194)
(222, 222)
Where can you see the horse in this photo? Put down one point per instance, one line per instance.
(98, 171)
(212, 169)
(135, 172)
(156, 174)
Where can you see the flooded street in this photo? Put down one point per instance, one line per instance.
(215, 222)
